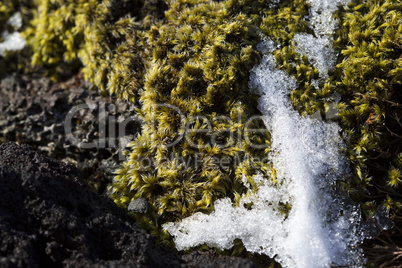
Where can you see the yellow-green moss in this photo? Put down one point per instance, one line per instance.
(367, 77)
(370, 85)
(201, 57)
(105, 36)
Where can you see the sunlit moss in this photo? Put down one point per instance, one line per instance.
(370, 71)
(106, 37)
(201, 57)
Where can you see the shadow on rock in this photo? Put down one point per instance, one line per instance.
(49, 218)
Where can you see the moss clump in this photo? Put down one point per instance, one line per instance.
(370, 85)
(195, 104)
(370, 109)
(106, 37)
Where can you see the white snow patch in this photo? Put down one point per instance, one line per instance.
(318, 48)
(15, 20)
(13, 41)
(322, 228)
(321, 12)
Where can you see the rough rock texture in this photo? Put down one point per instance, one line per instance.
(33, 110)
(210, 260)
(49, 218)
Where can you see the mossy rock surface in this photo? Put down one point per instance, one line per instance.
(186, 65)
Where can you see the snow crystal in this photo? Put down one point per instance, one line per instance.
(13, 41)
(321, 12)
(318, 48)
(15, 20)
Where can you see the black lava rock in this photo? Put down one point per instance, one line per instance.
(49, 218)
(37, 111)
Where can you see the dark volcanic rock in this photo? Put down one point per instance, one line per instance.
(139, 205)
(49, 218)
(210, 260)
(36, 111)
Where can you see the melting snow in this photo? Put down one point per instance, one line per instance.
(13, 41)
(322, 227)
(318, 48)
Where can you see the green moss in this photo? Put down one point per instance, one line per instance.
(200, 62)
(368, 79)
(370, 85)
(104, 36)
